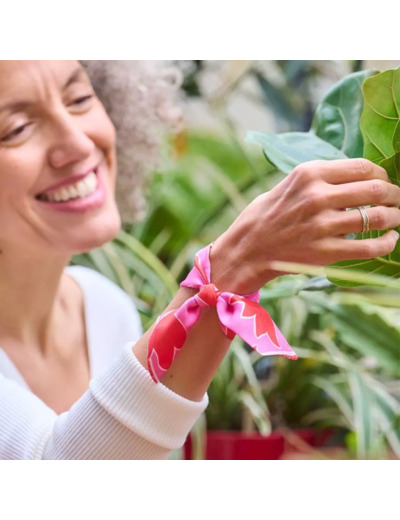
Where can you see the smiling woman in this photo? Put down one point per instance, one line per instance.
(54, 133)
(78, 380)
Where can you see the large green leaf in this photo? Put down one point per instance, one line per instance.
(388, 266)
(380, 119)
(392, 166)
(337, 117)
(288, 150)
(380, 127)
(335, 131)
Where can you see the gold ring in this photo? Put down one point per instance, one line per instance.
(365, 219)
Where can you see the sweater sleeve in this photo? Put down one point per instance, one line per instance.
(123, 415)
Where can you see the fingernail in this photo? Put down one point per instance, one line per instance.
(396, 235)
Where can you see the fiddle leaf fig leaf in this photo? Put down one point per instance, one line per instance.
(380, 119)
(334, 134)
(337, 117)
(380, 127)
(380, 122)
(392, 167)
(286, 151)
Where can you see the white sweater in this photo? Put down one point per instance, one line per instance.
(123, 415)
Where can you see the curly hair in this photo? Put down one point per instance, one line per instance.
(141, 99)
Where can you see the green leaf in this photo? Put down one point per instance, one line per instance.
(373, 336)
(337, 117)
(317, 283)
(392, 166)
(102, 264)
(380, 119)
(144, 254)
(380, 127)
(388, 416)
(256, 411)
(288, 150)
(338, 394)
(388, 266)
(362, 403)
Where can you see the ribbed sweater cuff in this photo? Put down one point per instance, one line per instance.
(153, 411)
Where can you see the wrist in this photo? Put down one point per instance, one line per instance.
(233, 271)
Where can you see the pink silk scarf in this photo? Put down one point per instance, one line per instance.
(241, 315)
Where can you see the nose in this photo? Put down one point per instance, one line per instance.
(70, 142)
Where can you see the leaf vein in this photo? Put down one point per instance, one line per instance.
(384, 116)
(376, 146)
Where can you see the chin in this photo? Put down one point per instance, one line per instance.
(98, 233)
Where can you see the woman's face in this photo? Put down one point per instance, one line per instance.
(57, 159)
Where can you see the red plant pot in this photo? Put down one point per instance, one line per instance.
(236, 445)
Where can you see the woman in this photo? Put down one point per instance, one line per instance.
(68, 388)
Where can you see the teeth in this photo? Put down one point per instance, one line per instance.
(64, 194)
(73, 191)
(79, 190)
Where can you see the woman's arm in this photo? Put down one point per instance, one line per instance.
(303, 220)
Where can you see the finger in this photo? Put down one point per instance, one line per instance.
(379, 217)
(342, 249)
(332, 223)
(342, 171)
(373, 192)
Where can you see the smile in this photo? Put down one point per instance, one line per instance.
(80, 190)
(86, 194)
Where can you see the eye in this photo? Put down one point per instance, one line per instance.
(81, 100)
(18, 132)
(80, 103)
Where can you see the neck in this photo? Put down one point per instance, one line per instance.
(32, 295)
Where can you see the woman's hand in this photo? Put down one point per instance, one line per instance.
(304, 219)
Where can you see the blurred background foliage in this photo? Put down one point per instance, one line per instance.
(348, 339)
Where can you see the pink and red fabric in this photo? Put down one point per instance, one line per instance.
(241, 315)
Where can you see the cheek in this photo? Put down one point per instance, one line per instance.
(16, 186)
(18, 174)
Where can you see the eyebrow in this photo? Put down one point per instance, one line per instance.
(15, 107)
(21, 105)
(75, 76)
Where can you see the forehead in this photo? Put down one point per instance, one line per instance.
(18, 75)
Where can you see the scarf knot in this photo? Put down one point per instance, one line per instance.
(208, 295)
